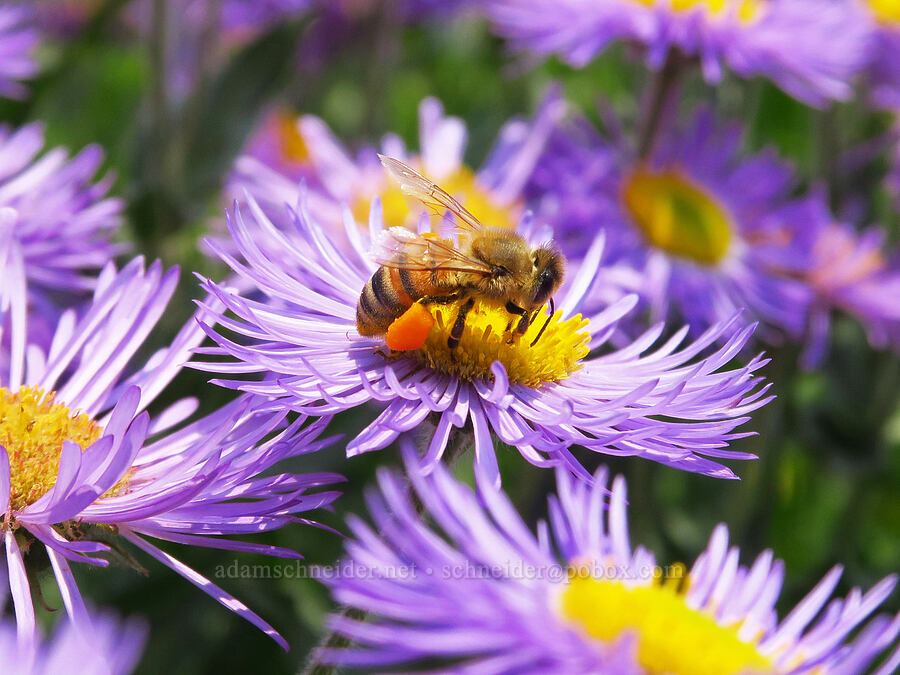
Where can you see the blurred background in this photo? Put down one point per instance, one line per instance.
(173, 92)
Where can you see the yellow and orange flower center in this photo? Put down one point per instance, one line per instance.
(886, 11)
(672, 637)
(291, 142)
(678, 216)
(487, 337)
(402, 211)
(746, 10)
(33, 427)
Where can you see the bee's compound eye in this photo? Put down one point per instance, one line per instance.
(545, 287)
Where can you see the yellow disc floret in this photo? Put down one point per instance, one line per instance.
(487, 337)
(678, 216)
(886, 11)
(293, 145)
(399, 210)
(32, 429)
(746, 10)
(672, 637)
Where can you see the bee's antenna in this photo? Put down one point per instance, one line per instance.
(546, 323)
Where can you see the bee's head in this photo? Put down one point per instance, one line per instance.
(549, 270)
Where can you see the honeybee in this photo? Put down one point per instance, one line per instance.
(489, 263)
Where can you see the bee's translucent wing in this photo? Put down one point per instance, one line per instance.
(403, 249)
(416, 185)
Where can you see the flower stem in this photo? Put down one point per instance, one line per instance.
(663, 87)
(332, 640)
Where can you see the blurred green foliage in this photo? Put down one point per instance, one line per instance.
(825, 489)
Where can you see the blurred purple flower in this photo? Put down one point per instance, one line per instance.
(279, 145)
(658, 403)
(703, 230)
(884, 72)
(110, 647)
(310, 151)
(851, 273)
(18, 39)
(466, 584)
(84, 469)
(56, 224)
(809, 48)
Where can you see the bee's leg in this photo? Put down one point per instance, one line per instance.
(388, 355)
(523, 323)
(531, 319)
(441, 299)
(513, 308)
(546, 323)
(459, 324)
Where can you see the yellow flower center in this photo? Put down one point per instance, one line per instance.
(402, 211)
(487, 338)
(293, 145)
(747, 10)
(672, 638)
(677, 216)
(32, 429)
(885, 11)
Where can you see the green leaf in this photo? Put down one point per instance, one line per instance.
(229, 107)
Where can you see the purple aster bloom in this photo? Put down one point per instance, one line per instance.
(111, 648)
(852, 273)
(18, 38)
(705, 230)
(809, 48)
(541, 398)
(55, 229)
(279, 145)
(884, 73)
(468, 585)
(84, 469)
(335, 177)
(894, 164)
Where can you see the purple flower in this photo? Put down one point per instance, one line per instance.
(893, 180)
(279, 145)
(704, 230)
(851, 273)
(336, 178)
(655, 402)
(55, 229)
(18, 38)
(84, 469)
(884, 73)
(468, 585)
(809, 48)
(110, 648)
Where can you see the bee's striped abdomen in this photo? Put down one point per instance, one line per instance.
(389, 293)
